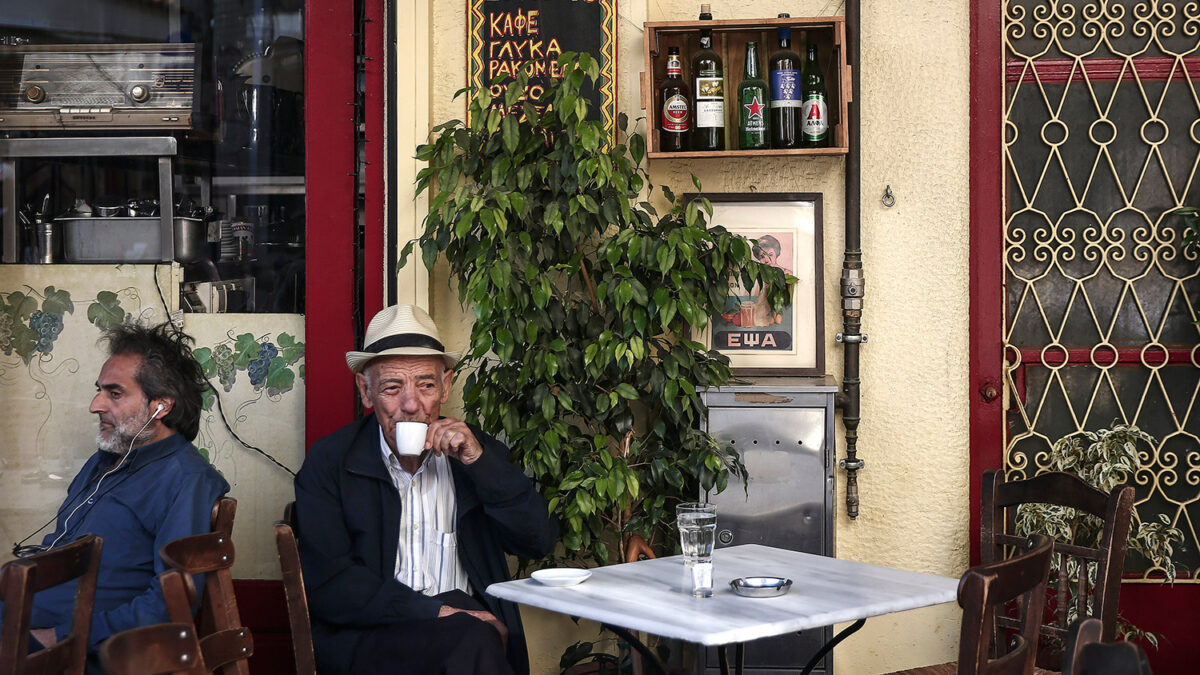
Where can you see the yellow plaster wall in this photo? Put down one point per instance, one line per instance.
(913, 435)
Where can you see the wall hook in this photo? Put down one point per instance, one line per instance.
(889, 199)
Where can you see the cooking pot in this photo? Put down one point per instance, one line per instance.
(191, 239)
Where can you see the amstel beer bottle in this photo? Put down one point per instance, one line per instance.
(785, 92)
(675, 119)
(814, 113)
(753, 99)
(707, 70)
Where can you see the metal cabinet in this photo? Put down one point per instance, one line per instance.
(783, 428)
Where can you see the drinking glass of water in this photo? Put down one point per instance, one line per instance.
(697, 523)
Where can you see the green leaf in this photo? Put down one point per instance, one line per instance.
(627, 391)
(57, 302)
(279, 376)
(637, 148)
(106, 312)
(203, 357)
(511, 133)
(22, 306)
(245, 350)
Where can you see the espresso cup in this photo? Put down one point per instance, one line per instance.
(410, 437)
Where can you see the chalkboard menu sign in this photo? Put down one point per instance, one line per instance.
(507, 36)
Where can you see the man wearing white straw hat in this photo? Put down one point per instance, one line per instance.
(405, 517)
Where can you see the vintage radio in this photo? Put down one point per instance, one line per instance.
(100, 86)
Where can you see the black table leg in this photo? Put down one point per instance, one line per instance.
(723, 659)
(649, 659)
(837, 639)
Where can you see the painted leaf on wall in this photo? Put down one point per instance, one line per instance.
(57, 302)
(106, 311)
(245, 350)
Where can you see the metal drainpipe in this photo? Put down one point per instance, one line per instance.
(852, 289)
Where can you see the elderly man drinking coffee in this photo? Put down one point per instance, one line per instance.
(400, 537)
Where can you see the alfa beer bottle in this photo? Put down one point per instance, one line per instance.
(785, 92)
(675, 120)
(814, 113)
(753, 100)
(709, 92)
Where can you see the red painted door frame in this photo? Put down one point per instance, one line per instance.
(1171, 611)
(330, 203)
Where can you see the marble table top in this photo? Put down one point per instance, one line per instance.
(655, 595)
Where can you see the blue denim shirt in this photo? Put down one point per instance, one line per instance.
(164, 491)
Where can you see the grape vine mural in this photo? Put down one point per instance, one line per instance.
(31, 322)
(270, 366)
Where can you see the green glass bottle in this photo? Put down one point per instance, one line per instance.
(814, 111)
(753, 100)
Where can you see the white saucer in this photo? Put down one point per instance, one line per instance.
(561, 576)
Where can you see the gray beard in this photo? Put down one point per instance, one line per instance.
(119, 440)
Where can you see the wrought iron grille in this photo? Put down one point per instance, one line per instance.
(1101, 143)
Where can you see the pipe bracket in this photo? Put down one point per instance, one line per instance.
(855, 338)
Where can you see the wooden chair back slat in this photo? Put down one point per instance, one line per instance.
(20, 579)
(983, 593)
(1000, 501)
(159, 649)
(293, 588)
(211, 554)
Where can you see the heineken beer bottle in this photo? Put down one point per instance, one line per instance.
(753, 99)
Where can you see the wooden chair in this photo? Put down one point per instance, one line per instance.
(20, 579)
(293, 589)
(228, 644)
(1000, 502)
(985, 592)
(158, 649)
(1088, 655)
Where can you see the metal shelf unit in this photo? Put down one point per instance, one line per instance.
(162, 147)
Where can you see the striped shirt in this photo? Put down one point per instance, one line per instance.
(427, 550)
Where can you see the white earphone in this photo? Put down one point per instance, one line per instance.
(157, 410)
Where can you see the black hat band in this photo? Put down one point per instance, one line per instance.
(404, 340)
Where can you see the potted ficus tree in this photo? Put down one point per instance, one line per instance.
(584, 302)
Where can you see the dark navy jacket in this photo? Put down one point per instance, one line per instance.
(166, 490)
(348, 514)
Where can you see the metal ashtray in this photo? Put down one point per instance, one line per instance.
(760, 587)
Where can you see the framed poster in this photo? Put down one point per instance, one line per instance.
(758, 340)
(507, 36)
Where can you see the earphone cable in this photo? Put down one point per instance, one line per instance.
(119, 464)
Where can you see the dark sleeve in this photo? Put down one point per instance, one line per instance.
(341, 588)
(189, 512)
(511, 502)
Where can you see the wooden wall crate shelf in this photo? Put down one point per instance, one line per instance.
(729, 40)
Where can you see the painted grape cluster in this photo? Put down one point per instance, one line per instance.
(31, 322)
(270, 366)
(47, 327)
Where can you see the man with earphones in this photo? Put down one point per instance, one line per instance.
(146, 485)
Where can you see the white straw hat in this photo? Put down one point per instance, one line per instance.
(401, 330)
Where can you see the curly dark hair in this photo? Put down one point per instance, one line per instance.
(167, 370)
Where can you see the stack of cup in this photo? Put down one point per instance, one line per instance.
(697, 523)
